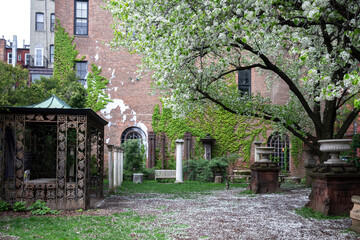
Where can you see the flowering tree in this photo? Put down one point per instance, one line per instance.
(193, 47)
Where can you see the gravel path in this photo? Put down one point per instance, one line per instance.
(228, 215)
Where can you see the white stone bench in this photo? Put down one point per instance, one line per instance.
(240, 174)
(163, 174)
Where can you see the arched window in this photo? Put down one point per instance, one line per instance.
(281, 155)
(132, 133)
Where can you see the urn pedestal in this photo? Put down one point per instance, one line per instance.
(333, 185)
(264, 173)
(265, 177)
(334, 182)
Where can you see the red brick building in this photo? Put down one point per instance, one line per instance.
(130, 113)
(22, 57)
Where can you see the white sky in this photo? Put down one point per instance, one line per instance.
(15, 20)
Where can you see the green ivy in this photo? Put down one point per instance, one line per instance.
(233, 133)
(96, 86)
(65, 53)
(296, 150)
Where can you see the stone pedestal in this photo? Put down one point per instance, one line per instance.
(333, 185)
(138, 177)
(218, 179)
(355, 214)
(265, 177)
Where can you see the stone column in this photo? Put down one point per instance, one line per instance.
(116, 163)
(151, 149)
(257, 144)
(110, 169)
(118, 176)
(179, 173)
(121, 165)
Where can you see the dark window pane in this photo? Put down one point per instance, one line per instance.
(81, 17)
(39, 24)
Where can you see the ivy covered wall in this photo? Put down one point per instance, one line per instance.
(233, 134)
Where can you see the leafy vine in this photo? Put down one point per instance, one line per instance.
(233, 133)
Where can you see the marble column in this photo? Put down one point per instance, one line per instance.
(116, 163)
(110, 169)
(179, 172)
(121, 165)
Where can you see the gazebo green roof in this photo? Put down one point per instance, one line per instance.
(51, 102)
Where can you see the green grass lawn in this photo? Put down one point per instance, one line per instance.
(184, 190)
(127, 225)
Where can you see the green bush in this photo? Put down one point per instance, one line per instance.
(19, 207)
(134, 157)
(204, 170)
(4, 206)
(149, 173)
(39, 208)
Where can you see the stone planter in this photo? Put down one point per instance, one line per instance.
(355, 214)
(264, 173)
(334, 182)
(138, 177)
(264, 153)
(334, 147)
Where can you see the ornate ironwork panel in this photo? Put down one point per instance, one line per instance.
(81, 161)
(40, 191)
(2, 152)
(29, 192)
(61, 161)
(71, 196)
(20, 154)
(51, 194)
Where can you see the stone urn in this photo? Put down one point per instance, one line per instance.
(334, 147)
(264, 153)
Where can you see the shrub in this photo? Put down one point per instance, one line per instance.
(39, 208)
(19, 207)
(149, 173)
(204, 170)
(4, 206)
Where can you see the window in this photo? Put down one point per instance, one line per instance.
(81, 17)
(244, 79)
(9, 58)
(52, 22)
(38, 57)
(19, 57)
(132, 133)
(281, 155)
(39, 25)
(27, 58)
(81, 71)
(52, 53)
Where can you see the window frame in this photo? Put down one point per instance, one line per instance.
(9, 57)
(81, 18)
(51, 57)
(27, 59)
(244, 88)
(83, 81)
(52, 22)
(37, 23)
(41, 57)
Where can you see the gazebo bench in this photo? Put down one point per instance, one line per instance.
(164, 174)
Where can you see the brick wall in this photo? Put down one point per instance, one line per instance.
(2, 49)
(132, 104)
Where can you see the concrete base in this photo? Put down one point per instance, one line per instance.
(218, 179)
(138, 177)
(178, 181)
(264, 178)
(333, 185)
